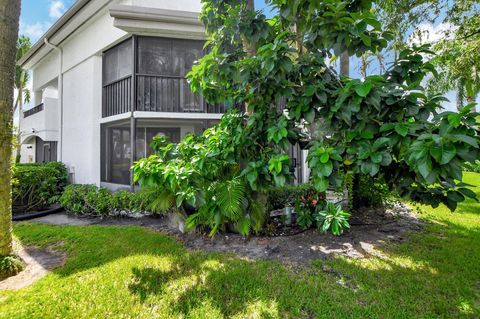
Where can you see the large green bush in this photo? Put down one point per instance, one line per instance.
(90, 200)
(38, 185)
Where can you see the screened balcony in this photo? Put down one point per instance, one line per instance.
(149, 73)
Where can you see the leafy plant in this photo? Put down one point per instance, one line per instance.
(91, 200)
(288, 195)
(10, 266)
(332, 218)
(472, 167)
(384, 126)
(36, 186)
(305, 218)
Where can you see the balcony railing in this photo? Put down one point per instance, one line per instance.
(154, 94)
(34, 110)
(170, 94)
(117, 97)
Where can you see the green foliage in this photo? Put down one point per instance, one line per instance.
(10, 266)
(332, 218)
(433, 274)
(369, 192)
(472, 167)
(306, 205)
(202, 175)
(288, 195)
(36, 186)
(91, 200)
(384, 126)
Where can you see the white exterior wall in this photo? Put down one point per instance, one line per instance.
(46, 71)
(82, 108)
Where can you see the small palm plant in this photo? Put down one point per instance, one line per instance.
(333, 218)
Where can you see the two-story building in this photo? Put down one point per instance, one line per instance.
(108, 76)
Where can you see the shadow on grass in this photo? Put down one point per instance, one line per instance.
(434, 274)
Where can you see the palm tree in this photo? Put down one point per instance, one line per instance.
(9, 13)
(21, 76)
(21, 80)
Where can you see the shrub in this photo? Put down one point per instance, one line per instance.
(332, 218)
(38, 185)
(85, 200)
(472, 167)
(280, 197)
(10, 266)
(91, 200)
(367, 191)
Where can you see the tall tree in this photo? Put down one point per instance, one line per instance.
(21, 76)
(21, 81)
(9, 16)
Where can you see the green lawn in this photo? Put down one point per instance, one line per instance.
(130, 272)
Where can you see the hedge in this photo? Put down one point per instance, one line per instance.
(90, 200)
(37, 186)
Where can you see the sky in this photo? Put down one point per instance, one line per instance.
(38, 15)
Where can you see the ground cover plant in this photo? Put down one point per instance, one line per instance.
(36, 186)
(90, 200)
(131, 272)
(385, 126)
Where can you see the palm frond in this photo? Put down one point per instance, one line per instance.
(258, 214)
(230, 196)
(157, 200)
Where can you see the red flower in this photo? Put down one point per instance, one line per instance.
(314, 202)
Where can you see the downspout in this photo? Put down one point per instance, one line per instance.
(60, 92)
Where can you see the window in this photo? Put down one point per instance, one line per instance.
(45, 151)
(116, 149)
(167, 57)
(118, 62)
(162, 65)
(117, 79)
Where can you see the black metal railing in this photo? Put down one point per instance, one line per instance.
(117, 97)
(34, 110)
(167, 94)
(154, 94)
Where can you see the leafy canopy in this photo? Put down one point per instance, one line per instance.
(384, 125)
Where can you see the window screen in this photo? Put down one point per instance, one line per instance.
(118, 62)
(167, 57)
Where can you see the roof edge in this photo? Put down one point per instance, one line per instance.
(67, 16)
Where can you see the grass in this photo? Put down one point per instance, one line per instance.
(130, 272)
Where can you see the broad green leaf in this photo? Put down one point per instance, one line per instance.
(443, 153)
(467, 139)
(363, 89)
(454, 119)
(324, 158)
(425, 167)
(376, 158)
(401, 129)
(320, 183)
(326, 169)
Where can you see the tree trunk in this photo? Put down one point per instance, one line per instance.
(345, 64)
(460, 94)
(18, 147)
(9, 15)
(250, 48)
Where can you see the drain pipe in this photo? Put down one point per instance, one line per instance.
(60, 92)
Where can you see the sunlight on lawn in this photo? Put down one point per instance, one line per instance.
(131, 272)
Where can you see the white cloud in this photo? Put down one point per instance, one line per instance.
(35, 30)
(56, 9)
(427, 33)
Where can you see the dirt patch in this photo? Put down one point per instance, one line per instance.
(38, 262)
(370, 229)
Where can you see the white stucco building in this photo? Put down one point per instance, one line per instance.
(108, 76)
